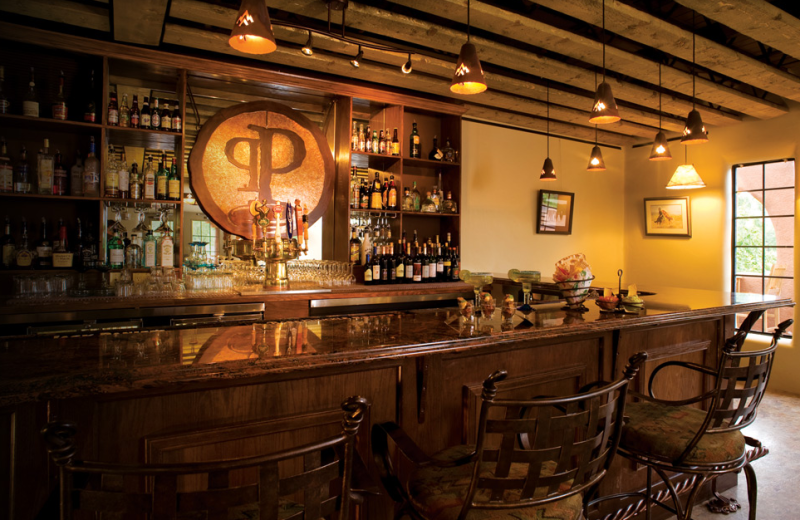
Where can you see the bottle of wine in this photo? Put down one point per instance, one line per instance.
(408, 265)
(417, 263)
(45, 165)
(91, 172)
(6, 170)
(7, 246)
(60, 104)
(400, 263)
(415, 151)
(22, 176)
(376, 266)
(90, 112)
(162, 179)
(44, 249)
(76, 176)
(30, 104)
(173, 182)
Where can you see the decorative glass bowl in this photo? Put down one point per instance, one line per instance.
(575, 291)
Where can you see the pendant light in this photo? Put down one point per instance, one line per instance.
(685, 177)
(252, 30)
(695, 131)
(604, 110)
(548, 171)
(660, 150)
(596, 162)
(308, 48)
(468, 76)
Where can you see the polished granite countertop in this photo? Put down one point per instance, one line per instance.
(41, 368)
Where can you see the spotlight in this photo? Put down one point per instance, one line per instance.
(406, 68)
(356, 62)
(308, 48)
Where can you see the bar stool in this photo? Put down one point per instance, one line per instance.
(325, 481)
(673, 436)
(551, 450)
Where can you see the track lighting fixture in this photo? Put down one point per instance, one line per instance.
(356, 62)
(406, 68)
(308, 48)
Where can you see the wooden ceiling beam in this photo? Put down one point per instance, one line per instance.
(648, 30)
(538, 34)
(369, 71)
(61, 11)
(757, 19)
(439, 38)
(140, 21)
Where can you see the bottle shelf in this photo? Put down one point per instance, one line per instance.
(381, 155)
(143, 130)
(46, 123)
(428, 163)
(37, 196)
(360, 210)
(141, 201)
(421, 214)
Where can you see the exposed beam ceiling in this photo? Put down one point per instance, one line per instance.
(139, 22)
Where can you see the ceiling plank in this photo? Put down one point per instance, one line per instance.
(215, 42)
(61, 11)
(139, 21)
(648, 30)
(533, 32)
(757, 19)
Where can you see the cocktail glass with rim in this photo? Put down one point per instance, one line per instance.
(526, 278)
(477, 281)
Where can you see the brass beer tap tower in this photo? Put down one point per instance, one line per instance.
(272, 248)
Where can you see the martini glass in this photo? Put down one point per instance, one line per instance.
(527, 278)
(477, 281)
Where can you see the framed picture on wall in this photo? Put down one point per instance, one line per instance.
(667, 216)
(555, 212)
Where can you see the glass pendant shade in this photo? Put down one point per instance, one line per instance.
(604, 110)
(252, 30)
(660, 151)
(685, 178)
(468, 76)
(596, 162)
(695, 131)
(548, 171)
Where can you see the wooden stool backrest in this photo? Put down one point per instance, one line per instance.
(324, 482)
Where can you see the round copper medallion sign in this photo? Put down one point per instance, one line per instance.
(260, 150)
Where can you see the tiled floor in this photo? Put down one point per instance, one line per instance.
(778, 428)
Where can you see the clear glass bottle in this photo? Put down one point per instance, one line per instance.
(448, 152)
(76, 176)
(24, 257)
(408, 200)
(91, 172)
(166, 246)
(59, 175)
(149, 183)
(136, 183)
(60, 104)
(22, 175)
(6, 170)
(428, 206)
(449, 205)
(124, 112)
(354, 138)
(30, 104)
(7, 247)
(45, 164)
(5, 105)
(415, 195)
(435, 198)
(133, 255)
(112, 174)
(124, 176)
(116, 251)
(150, 250)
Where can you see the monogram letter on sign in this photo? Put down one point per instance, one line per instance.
(259, 150)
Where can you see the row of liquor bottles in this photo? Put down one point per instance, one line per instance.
(383, 196)
(409, 262)
(31, 104)
(76, 249)
(51, 176)
(154, 118)
(379, 142)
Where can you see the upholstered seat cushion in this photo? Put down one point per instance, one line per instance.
(438, 493)
(665, 431)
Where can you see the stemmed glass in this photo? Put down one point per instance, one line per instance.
(477, 280)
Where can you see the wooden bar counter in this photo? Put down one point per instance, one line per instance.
(206, 393)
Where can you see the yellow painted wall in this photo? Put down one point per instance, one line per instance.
(500, 186)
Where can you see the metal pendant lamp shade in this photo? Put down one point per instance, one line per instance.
(596, 162)
(548, 171)
(660, 150)
(468, 76)
(695, 131)
(685, 178)
(604, 110)
(252, 30)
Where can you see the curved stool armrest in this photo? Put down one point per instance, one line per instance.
(683, 364)
(699, 398)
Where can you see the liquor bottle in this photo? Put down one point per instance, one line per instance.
(408, 265)
(136, 117)
(456, 261)
(449, 205)
(448, 264)
(368, 140)
(435, 153)
(426, 264)
(392, 260)
(435, 198)
(385, 264)
(395, 143)
(415, 150)
(7, 246)
(361, 141)
(60, 104)
(76, 176)
(6, 170)
(44, 249)
(144, 120)
(439, 262)
(162, 179)
(376, 145)
(166, 118)
(408, 200)
(166, 257)
(355, 248)
(364, 195)
(399, 265)
(155, 116)
(55, 240)
(91, 172)
(5, 106)
(62, 257)
(30, 104)
(354, 138)
(150, 250)
(116, 251)
(385, 193)
(113, 110)
(376, 266)
(388, 142)
(124, 177)
(428, 206)
(382, 143)
(354, 191)
(375, 195)
(392, 198)
(90, 112)
(136, 183)
(59, 175)
(22, 176)
(417, 264)
(139, 232)
(177, 119)
(174, 182)
(24, 257)
(368, 266)
(149, 183)
(112, 174)
(366, 247)
(133, 254)
(44, 169)
(124, 112)
(449, 154)
(416, 197)
(77, 249)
